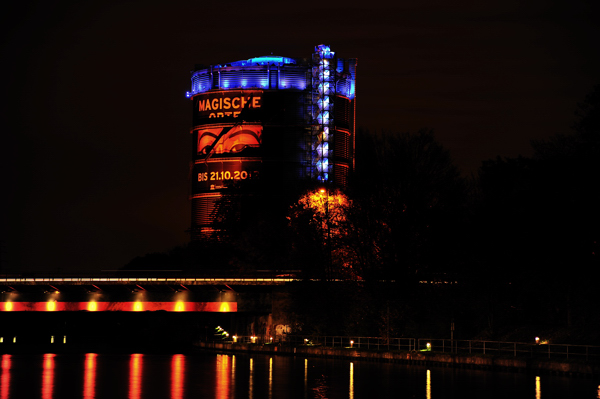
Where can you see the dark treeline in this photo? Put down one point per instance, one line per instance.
(512, 251)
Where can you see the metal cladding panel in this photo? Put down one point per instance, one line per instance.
(284, 108)
(273, 76)
(201, 82)
(250, 76)
(203, 210)
(236, 78)
(343, 87)
(341, 172)
(342, 150)
(343, 112)
(283, 154)
(293, 78)
(283, 143)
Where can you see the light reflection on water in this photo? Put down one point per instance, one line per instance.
(251, 380)
(5, 379)
(428, 385)
(222, 376)
(270, 377)
(177, 376)
(351, 380)
(48, 376)
(305, 378)
(135, 376)
(89, 376)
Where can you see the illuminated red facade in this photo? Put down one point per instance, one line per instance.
(289, 119)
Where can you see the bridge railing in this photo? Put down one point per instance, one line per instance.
(587, 353)
(371, 343)
(515, 349)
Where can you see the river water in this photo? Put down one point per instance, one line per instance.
(222, 376)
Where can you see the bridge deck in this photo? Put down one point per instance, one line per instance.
(144, 281)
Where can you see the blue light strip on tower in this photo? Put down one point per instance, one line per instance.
(250, 74)
(254, 74)
(265, 60)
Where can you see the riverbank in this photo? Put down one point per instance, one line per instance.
(484, 362)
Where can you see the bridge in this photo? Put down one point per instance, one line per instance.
(134, 308)
(133, 291)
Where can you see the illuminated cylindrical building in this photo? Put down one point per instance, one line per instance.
(285, 119)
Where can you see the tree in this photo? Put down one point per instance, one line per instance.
(320, 225)
(540, 222)
(408, 204)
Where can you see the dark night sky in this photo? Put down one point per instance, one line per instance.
(95, 123)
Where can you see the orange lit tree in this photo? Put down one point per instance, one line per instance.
(321, 225)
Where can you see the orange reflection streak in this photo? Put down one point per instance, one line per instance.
(305, 376)
(89, 376)
(270, 377)
(428, 385)
(135, 376)
(177, 376)
(351, 380)
(5, 381)
(48, 376)
(233, 375)
(538, 388)
(223, 377)
(251, 379)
